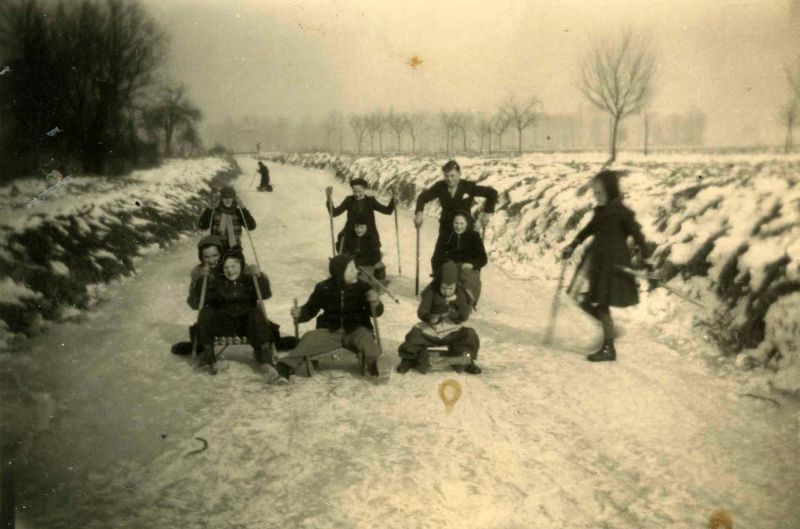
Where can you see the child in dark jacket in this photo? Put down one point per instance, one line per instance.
(442, 311)
(359, 206)
(360, 243)
(347, 306)
(599, 283)
(464, 246)
(227, 220)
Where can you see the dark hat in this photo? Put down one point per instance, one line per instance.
(209, 240)
(358, 182)
(449, 273)
(463, 213)
(227, 192)
(610, 182)
(337, 266)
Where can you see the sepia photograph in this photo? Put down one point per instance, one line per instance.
(426, 264)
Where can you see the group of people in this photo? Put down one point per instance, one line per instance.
(229, 293)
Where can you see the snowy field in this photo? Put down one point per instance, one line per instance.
(727, 228)
(541, 439)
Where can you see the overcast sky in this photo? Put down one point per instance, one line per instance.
(301, 58)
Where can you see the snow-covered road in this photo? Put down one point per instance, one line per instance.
(541, 439)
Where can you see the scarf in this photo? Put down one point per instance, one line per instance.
(226, 229)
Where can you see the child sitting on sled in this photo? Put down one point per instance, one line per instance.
(364, 247)
(442, 311)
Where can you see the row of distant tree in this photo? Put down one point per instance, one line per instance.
(82, 89)
(452, 132)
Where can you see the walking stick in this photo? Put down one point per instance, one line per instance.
(548, 335)
(416, 280)
(197, 327)
(378, 284)
(249, 238)
(397, 238)
(330, 217)
(296, 324)
(645, 275)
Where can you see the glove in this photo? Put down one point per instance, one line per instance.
(252, 270)
(466, 266)
(329, 191)
(418, 220)
(433, 319)
(372, 296)
(568, 250)
(295, 312)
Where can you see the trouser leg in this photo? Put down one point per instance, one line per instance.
(313, 343)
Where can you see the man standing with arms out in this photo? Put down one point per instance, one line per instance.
(454, 194)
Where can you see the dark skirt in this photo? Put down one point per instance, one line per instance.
(598, 281)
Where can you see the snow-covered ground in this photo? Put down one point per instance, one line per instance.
(727, 228)
(541, 439)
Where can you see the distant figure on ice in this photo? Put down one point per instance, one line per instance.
(454, 194)
(347, 305)
(443, 309)
(227, 220)
(232, 309)
(462, 245)
(264, 172)
(364, 247)
(358, 205)
(598, 284)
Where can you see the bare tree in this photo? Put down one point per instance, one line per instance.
(788, 116)
(645, 129)
(376, 124)
(461, 122)
(331, 124)
(415, 125)
(483, 128)
(499, 125)
(173, 112)
(359, 125)
(521, 115)
(397, 122)
(450, 127)
(618, 77)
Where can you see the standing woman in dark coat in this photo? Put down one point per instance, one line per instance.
(597, 280)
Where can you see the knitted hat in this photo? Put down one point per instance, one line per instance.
(227, 192)
(205, 242)
(449, 273)
(337, 265)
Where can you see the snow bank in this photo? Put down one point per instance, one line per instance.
(727, 228)
(88, 232)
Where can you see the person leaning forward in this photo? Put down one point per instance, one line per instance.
(454, 194)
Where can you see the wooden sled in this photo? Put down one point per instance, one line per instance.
(221, 344)
(311, 362)
(442, 356)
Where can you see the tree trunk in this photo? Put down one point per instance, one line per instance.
(490, 144)
(500, 142)
(399, 147)
(464, 137)
(413, 144)
(646, 132)
(788, 145)
(614, 128)
(519, 139)
(380, 142)
(480, 148)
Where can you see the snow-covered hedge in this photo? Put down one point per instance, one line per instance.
(727, 229)
(57, 254)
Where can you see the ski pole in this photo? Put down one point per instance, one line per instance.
(397, 235)
(199, 308)
(416, 280)
(377, 329)
(249, 238)
(296, 324)
(548, 335)
(377, 283)
(330, 217)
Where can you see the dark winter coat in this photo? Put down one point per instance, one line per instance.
(432, 302)
(610, 226)
(364, 210)
(465, 248)
(366, 249)
(463, 200)
(196, 286)
(210, 220)
(342, 306)
(234, 297)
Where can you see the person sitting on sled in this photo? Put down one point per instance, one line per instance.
(226, 220)
(454, 194)
(264, 185)
(232, 309)
(359, 205)
(442, 311)
(464, 246)
(347, 305)
(598, 283)
(364, 247)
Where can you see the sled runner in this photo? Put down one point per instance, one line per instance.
(312, 362)
(437, 357)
